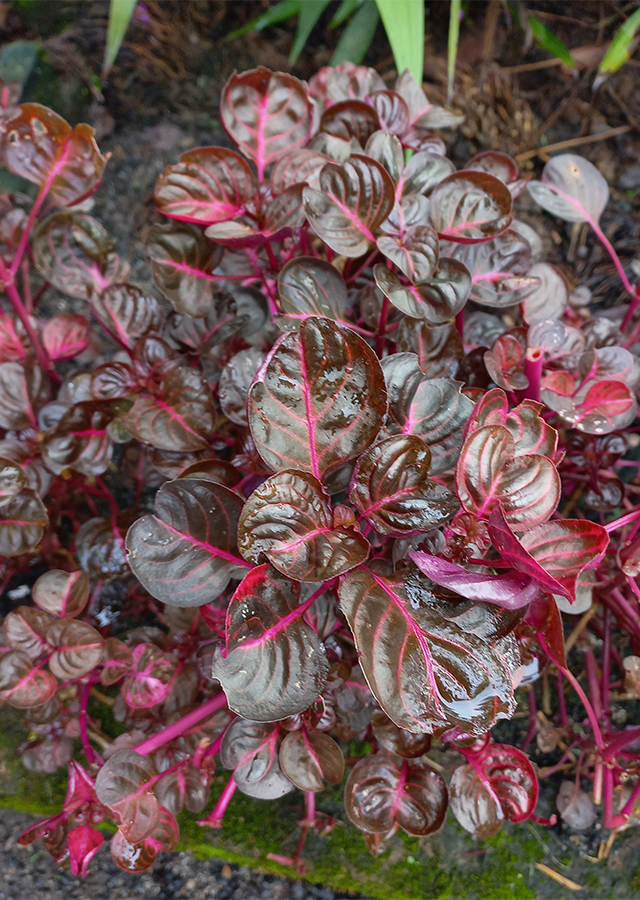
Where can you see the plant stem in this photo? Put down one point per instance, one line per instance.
(215, 817)
(575, 684)
(533, 360)
(89, 752)
(181, 726)
(14, 298)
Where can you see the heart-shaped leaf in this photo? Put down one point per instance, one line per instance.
(497, 784)
(527, 427)
(210, 184)
(572, 188)
(438, 299)
(281, 214)
(301, 166)
(385, 148)
(267, 114)
(470, 206)
(127, 313)
(311, 759)
(24, 389)
(350, 119)
(421, 111)
(251, 750)
(80, 441)
(353, 201)
(186, 787)
(554, 554)
(319, 401)
(489, 473)
(392, 489)
(22, 523)
(415, 253)
(140, 856)
(289, 519)
(14, 341)
(122, 784)
(383, 790)
(244, 313)
(182, 264)
(180, 417)
(502, 166)
(150, 678)
(274, 665)
(438, 347)
(310, 287)
(423, 172)
(117, 662)
(21, 684)
(75, 254)
(424, 671)
(26, 630)
(505, 362)
(432, 408)
(185, 554)
(510, 591)
(78, 648)
(65, 336)
(37, 144)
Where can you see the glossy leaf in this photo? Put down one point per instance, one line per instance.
(26, 630)
(77, 648)
(310, 287)
(525, 424)
(350, 119)
(434, 409)
(438, 299)
(244, 313)
(80, 441)
(24, 389)
(65, 336)
(497, 784)
(74, 253)
(352, 202)
(127, 313)
(21, 685)
(289, 519)
(139, 856)
(311, 759)
(554, 554)
(415, 253)
(83, 842)
(266, 114)
(150, 677)
(506, 360)
(510, 590)
(301, 166)
(392, 490)
(319, 401)
(280, 215)
(572, 188)
(251, 750)
(180, 417)
(122, 784)
(37, 144)
(117, 662)
(14, 340)
(12, 480)
(100, 549)
(424, 671)
(438, 347)
(22, 523)
(502, 166)
(423, 172)
(384, 790)
(185, 554)
(470, 206)
(186, 787)
(273, 665)
(182, 263)
(423, 113)
(210, 184)
(549, 298)
(235, 380)
(389, 737)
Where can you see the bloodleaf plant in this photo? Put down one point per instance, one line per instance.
(349, 472)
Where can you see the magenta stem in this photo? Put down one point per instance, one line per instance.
(615, 258)
(310, 808)
(14, 298)
(575, 684)
(215, 817)
(533, 720)
(89, 752)
(533, 359)
(35, 209)
(460, 323)
(592, 678)
(181, 726)
(562, 703)
(622, 521)
(606, 658)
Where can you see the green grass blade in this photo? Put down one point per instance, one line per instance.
(344, 11)
(310, 12)
(404, 23)
(549, 42)
(452, 47)
(357, 36)
(120, 12)
(282, 11)
(620, 50)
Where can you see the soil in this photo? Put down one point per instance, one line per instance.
(162, 99)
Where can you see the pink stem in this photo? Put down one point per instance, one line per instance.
(622, 521)
(562, 704)
(533, 360)
(578, 689)
(89, 752)
(606, 658)
(616, 261)
(215, 817)
(14, 298)
(35, 209)
(181, 726)
(592, 678)
(310, 809)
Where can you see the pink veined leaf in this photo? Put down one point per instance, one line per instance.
(301, 166)
(210, 184)
(186, 553)
(251, 750)
(470, 206)
(12, 480)
(319, 400)
(554, 554)
(510, 591)
(595, 407)
(273, 665)
(572, 188)
(425, 672)
(549, 297)
(289, 519)
(489, 473)
(502, 166)
(23, 685)
(389, 737)
(497, 784)
(39, 145)
(26, 630)
(14, 340)
(385, 148)
(423, 172)
(186, 787)
(22, 523)
(384, 790)
(352, 202)
(83, 842)
(438, 298)
(505, 362)
(117, 662)
(139, 856)
(24, 389)
(415, 252)
(127, 313)
(100, 549)
(392, 109)
(281, 214)
(350, 120)
(80, 441)
(421, 112)
(235, 381)
(123, 785)
(77, 648)
(310, 759)
(150, 678)
(525, 424)
(267, 114)
(65, 336)
(75, 254)
(310, 287)
(62, 594)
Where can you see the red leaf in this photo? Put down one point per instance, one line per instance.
(470, 206)
(83, 842)
(65, 336)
